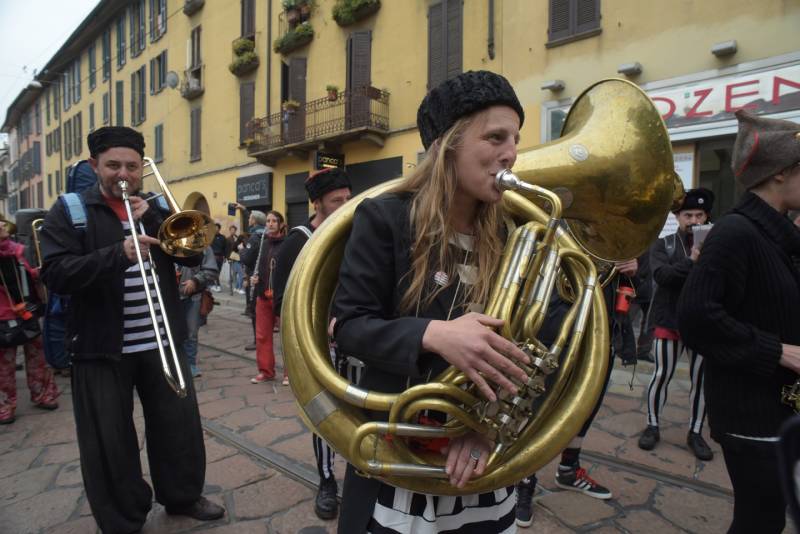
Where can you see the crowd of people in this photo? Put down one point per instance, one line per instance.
(416, 272)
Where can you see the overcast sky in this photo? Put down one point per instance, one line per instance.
(31, 31)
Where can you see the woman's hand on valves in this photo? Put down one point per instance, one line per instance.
(470, 344)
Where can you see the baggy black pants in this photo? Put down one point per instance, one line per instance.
(109, 448)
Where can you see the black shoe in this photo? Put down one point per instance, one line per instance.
(649, 438)
(699, 446)
(251, 346)
(646, 358)
(325, 505)
(525, 504)
(202, 509)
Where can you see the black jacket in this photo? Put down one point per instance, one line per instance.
(220, 245)
(669, 273)
(741, 301)
(372, 281)
(88, 264)
(370, 326)
(290, 249)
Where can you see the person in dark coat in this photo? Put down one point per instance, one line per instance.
(113, 347)
(672, 258)
(739, 307)
(328, 189)
(418, 264)
(221, 249)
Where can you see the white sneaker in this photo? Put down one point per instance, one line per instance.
(216, 289)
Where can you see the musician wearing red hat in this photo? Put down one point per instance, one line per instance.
(739, 308)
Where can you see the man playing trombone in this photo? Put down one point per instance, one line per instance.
(114, 343)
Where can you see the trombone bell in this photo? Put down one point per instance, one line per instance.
(186, 232)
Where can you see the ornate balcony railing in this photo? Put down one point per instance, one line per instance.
(351, 115)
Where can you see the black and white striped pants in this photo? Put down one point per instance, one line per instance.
(351, 369)
(666, 359)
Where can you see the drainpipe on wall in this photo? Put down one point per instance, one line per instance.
(269, 54)
(490, 39)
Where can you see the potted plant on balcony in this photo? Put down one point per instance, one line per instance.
(347, 12)
(333, 92)
(245, 59)
(295, 38)
(243, 45)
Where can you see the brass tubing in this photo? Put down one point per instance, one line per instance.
(179, 385)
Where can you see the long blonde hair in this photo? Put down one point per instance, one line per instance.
(432, 186)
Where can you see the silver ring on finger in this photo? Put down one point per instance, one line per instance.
(475, 454)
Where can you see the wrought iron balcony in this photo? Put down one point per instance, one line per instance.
(359, 114)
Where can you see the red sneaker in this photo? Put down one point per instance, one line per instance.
(260, 378)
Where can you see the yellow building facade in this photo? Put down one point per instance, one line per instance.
(259, 132)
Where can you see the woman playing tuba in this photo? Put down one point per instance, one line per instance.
(419, 264)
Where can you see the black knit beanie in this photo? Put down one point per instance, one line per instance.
(461, 96)
(107, 137)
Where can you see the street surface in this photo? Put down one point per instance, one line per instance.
(261, 465)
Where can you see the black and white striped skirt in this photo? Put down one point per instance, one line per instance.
(400, 511)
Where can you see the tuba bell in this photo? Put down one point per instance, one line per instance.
(610, 178)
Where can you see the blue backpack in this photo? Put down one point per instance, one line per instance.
(80, 177)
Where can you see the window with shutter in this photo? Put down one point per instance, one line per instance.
(77, 125)
(297, 91)
(106, 108)
(445, 41)
(91, 117)
(107, 54)
(158, 157)
(247, 102)
(92, 67)
(121, 50)
(76, 81)
(248, 18)
(570, 20)
(68, 139)
(37, 157)
(195, 140)
(359, 78)
(120, 107)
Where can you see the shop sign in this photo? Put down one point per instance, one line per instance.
(763, 92)
(254, 190)
(329, 159)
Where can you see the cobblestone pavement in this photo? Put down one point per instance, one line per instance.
(261, 465)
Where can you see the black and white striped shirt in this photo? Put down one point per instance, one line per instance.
(138, 333)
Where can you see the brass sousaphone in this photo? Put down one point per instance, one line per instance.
(610, 177)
